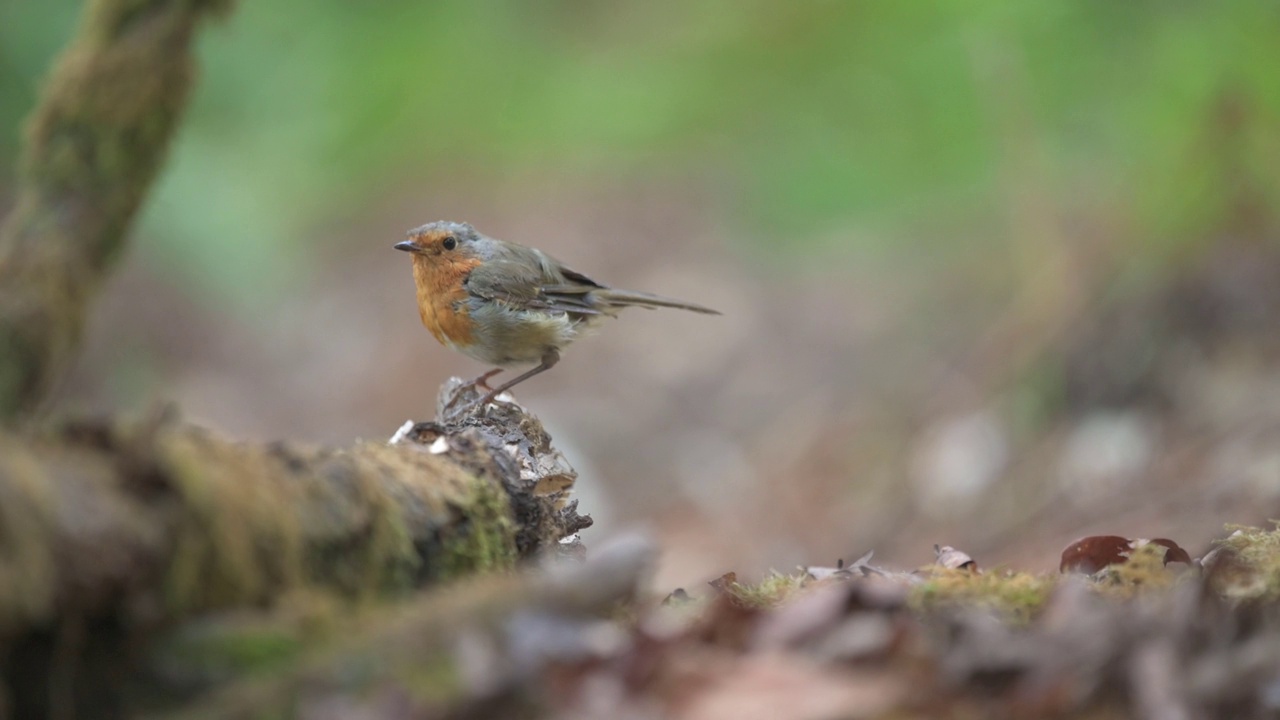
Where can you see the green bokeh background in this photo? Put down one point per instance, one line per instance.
(917, 123)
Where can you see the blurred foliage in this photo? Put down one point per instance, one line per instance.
(1251, 567)
(881, 127)
(1015, 597)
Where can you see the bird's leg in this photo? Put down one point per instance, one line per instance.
(549, 359)
(481, 381)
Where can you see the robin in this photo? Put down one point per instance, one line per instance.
(506, 304)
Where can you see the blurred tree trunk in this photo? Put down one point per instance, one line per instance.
(113, 534)
(93, 145)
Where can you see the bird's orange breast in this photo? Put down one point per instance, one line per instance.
(442, 298)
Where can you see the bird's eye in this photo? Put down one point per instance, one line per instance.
(450, 243)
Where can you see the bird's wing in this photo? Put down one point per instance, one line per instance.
(525, 286)
(571, 291)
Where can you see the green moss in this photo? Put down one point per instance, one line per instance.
(1251, 568)
(389, 557)
(28, 567)
(1014, 596)
(1144, 572)
(485, 540)
(772, 591)
(248, 642)
(238, 542)
(432, 680)
(229, 652)
(98, 136)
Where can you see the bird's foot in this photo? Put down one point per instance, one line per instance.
(482, 381)
(452, 410)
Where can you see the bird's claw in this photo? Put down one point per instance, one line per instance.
(449, 412)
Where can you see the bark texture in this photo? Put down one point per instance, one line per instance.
(93, 146)
(114, 534)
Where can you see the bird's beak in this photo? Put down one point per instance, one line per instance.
(406, 246)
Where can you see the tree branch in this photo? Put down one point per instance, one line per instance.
(110, 533)
(93, 146)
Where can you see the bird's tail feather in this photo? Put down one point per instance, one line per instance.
(642, 299)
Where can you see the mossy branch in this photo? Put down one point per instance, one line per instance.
(93, 146)
(425, 651)
(112, 531)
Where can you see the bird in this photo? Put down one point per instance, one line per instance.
(506, 304)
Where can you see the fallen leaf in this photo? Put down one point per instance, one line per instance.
(952, 559)
(1090, 554)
